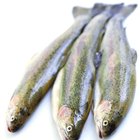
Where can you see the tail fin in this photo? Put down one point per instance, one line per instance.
(77, 11)
(95, 10)
(112, 10)
(125, 11)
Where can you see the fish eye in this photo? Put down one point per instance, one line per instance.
(13, 118)
(69, 128)
(105, 123)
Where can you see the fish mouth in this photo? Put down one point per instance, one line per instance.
(9, 129)
(100, 134)
(65, 138)
(13, 129)
(63, 134)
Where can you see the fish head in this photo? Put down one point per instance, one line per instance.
(107, 118)
(67, 127)
(17, 114)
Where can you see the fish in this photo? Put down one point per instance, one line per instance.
(72, 90)
(116, 76)
(41, 73)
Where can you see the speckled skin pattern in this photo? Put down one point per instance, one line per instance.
(116, 76)
(41, 74)
(72, 91)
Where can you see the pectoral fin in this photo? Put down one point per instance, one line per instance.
(64, 59)
(97, 59)
(82, 110)
(134, 56)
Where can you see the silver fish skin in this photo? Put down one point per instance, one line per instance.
(41, 74)
(116, 76)
(72, 90)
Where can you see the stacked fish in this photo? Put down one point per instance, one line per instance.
(90, 66)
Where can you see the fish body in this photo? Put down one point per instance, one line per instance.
(42, 72)
(72, 90)
(116, 76)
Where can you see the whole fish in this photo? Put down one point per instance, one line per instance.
(41, 74)
(116, 76)
(72, 90)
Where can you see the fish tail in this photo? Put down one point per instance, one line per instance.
(78, 11)
(112, 10)
(125, 11)
(95, 10)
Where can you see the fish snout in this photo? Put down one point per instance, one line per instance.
(12, 128)
(12, 125)
(100, 134)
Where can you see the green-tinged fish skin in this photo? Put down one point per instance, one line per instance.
(72, 91)
(41, 74)
(116, 76)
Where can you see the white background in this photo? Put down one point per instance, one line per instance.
(28, 26)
